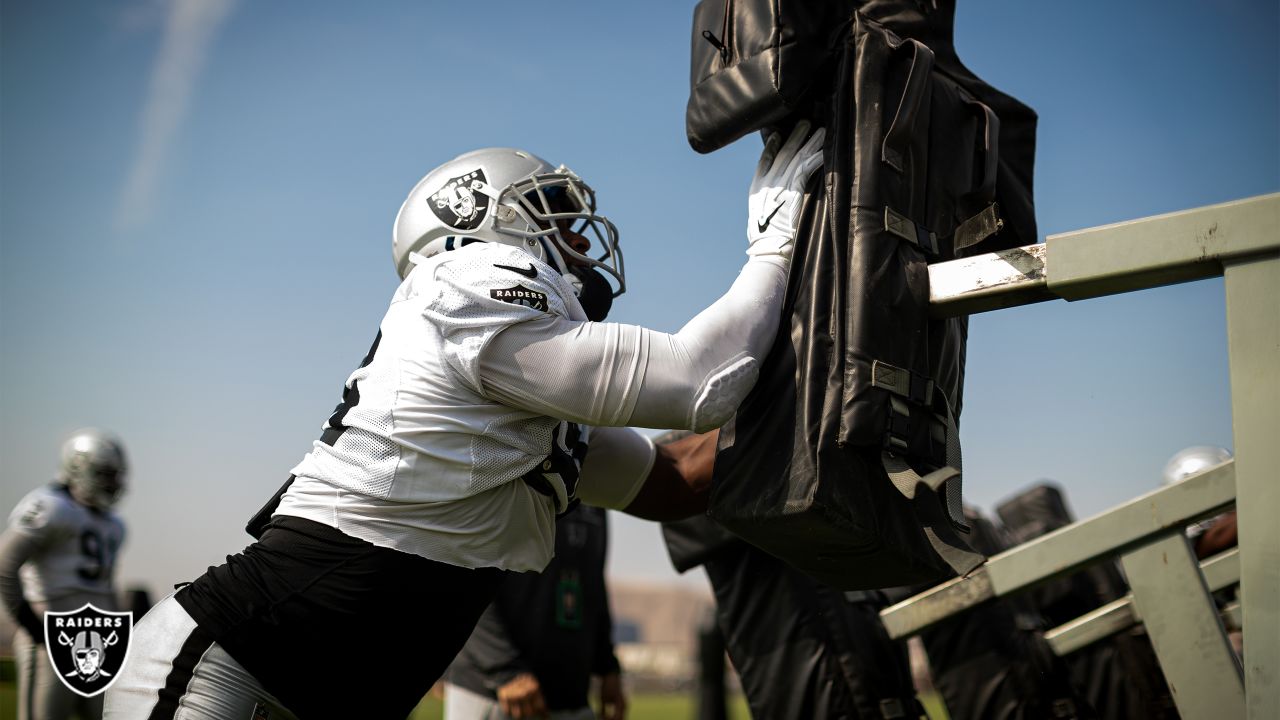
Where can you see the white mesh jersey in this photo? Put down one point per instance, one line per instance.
(77, 547)
(416, 457)
(483, 357)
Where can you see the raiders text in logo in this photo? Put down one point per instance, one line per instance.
(460, 203)
(520, 295)
(88, 647)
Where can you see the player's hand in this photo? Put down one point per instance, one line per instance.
(613, 701)
(777, 189)
(521, 697)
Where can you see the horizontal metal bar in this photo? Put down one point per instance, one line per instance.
(1116, 530)
(1112, 618)
(1065, 550)
(1220, 571)
(1231, 615)
(989, 282)
(1110, 259)
(937, 603)
(1091, 627)
(1163, 249)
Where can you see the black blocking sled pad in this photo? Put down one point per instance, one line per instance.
(844, 460)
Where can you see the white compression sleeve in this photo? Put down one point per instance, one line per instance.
(618, 375)
(617, 464)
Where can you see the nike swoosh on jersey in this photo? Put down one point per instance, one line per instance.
(764, 225)
(529, 272)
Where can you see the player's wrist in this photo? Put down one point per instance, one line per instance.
(768, 261)
(776, 247)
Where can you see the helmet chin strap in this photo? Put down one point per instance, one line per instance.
(575, 282)
(589, 285)
(593, 291)
(552, 256)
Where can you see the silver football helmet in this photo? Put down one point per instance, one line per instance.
(508, 196)
(1192, 460)
(94, 468)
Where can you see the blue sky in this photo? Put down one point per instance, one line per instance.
(196, 201)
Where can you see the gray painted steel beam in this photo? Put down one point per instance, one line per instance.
(1116, 616)
(1110, 259)
(1161, 250)
(1169, 592)
(989, 282)
(1231, 615)
(1220, 571)
(1068, 549)
(1253, 346)
(1239, 240)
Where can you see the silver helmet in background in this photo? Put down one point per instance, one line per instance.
(93, 466)
(1193, 460)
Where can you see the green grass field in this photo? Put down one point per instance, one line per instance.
(642, 707)
(674, 707)
(8, 690)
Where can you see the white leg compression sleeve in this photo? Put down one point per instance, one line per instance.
(41, 695)
(625, 375)
(176, 674)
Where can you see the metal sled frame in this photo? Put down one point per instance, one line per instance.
(1170, 589)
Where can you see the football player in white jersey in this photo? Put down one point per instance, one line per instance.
(57, 554)
(459, 438)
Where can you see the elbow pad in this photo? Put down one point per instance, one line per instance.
(718, 397)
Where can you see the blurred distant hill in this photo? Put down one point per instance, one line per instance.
(655, 632)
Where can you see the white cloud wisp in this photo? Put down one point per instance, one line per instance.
(189, 31)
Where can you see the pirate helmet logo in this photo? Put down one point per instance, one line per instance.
(462, 203)
(88, 647)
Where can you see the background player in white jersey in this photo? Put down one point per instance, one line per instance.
(57, 554)
(460, 437)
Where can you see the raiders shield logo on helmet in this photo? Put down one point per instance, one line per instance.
(88, 647)
(460, 204)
